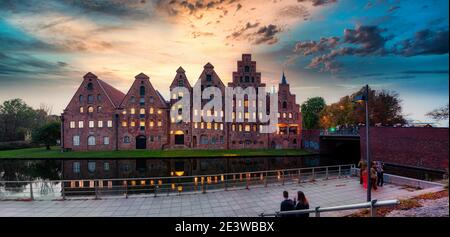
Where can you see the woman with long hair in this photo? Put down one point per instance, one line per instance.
(302, 204)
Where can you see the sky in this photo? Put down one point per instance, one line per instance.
(327, 48)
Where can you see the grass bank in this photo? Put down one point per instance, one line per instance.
(30, 153)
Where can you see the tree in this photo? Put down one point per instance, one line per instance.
(384, 108)
(439, 114)
(310, 112)
(47, 134)
(16, 118)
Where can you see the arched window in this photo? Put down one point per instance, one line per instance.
(142, 90)
(284, 104)
(99, 109)
(126, 139)
(99, 97)
(247, 79)
(81, 110)
(247, 69)
(90, 109)
(133, 99)
(91, 141)
(180, 82)
(80, 98)
(90, 86)
(142, 111)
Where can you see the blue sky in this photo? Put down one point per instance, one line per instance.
(328, 48)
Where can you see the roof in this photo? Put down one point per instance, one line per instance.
(161, 98)
(112, 93)
(283, 80)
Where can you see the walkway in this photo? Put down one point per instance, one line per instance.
(235, 203)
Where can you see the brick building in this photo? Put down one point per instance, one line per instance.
(100, 117)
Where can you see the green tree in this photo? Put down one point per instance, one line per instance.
(16, 118)
(47, 134)
(439, 114)
(310, 112)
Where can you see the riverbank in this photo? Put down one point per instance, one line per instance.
(41, 153)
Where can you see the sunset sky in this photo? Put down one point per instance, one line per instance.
(327, 48)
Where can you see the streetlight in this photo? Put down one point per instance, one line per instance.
(359, 98)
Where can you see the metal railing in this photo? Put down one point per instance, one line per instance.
(156, 186)
(373, 205)
(340, 132)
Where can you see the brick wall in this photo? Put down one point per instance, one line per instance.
(416, 147)
(311, 139)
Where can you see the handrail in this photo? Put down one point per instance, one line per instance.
(190, 176)
(372, 205)
(166, 185)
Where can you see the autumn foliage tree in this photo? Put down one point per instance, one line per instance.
(384, 108)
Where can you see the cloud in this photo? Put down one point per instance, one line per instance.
(367, 41)
(318, 2)
(262, 35)
(266, 34)
(425, 42)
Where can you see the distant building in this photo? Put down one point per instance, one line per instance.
(100, 117)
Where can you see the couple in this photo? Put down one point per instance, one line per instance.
(289, 205)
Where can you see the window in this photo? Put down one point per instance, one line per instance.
(99, 98)
(105, 140)
(152, 124)
(91, 166)
(247, 69)
(151, 111)
(142, 90)
(247, 79)
(284, 115)
(72, 124)
(109, 124)
(208, 78)
(106, 166)
(195, 125)
(159, 111)
(180, 82)
(142, 101)
(159, 123)
(152, 138)
(99, 109)
(203, 139)
(132, 124)
(142, 111)
(142, 123)
(124, 123)
(126, 139)
(91, 109)
(81, 110)
(284, 104)
(76, 140)
(151, 100)
(91, 141)
(91, 124)
(100, 124)
(76, 167)
(132, 99)
(90, 86)
(208, 125)
(90, 99)
(80, 98)
(233, 127)
(132, 111)
(290, 115)
(247, 128)
(213, 140)
(80, 124)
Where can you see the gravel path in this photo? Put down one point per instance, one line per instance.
(430, 208)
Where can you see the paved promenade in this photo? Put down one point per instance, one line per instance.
(235, 203)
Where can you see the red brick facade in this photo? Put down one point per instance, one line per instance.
(100, 117)
(416, 147)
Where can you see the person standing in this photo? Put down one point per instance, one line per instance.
(362, 166)
(287, 204)
(373, 176)
(302, 204)
(380, 174)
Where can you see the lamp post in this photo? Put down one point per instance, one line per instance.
(365, 97)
